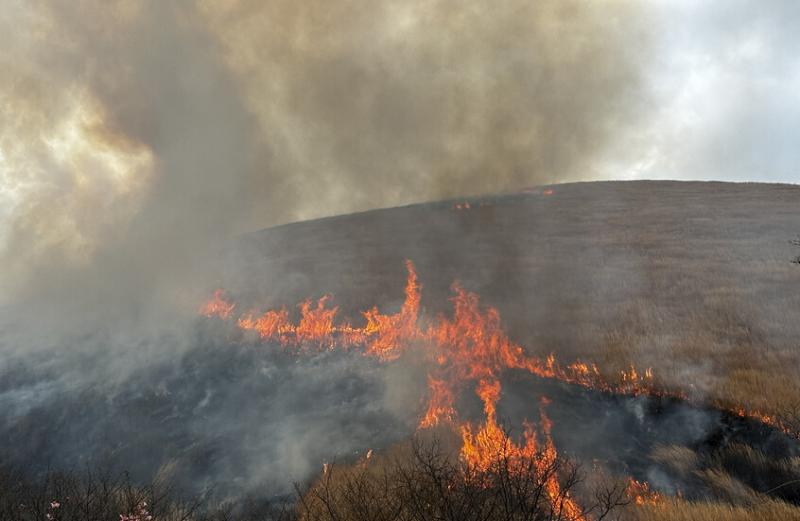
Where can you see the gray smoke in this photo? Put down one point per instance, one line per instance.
(137, 138)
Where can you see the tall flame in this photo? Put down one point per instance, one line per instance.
(440, 404)
(480, 450)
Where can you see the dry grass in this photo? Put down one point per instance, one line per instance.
(768, 510)
(682, 461)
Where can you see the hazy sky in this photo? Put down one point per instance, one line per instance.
(134, 134)
(726, 84)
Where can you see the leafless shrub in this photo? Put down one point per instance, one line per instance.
(426, 482)
(100, 495)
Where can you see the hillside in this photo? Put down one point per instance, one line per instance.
(693, 279)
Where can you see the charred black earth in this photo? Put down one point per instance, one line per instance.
(232, 410)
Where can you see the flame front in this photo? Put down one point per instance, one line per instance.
(468, 349)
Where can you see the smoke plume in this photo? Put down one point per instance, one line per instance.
(137, 136)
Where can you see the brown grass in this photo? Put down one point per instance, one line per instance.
(677, 510)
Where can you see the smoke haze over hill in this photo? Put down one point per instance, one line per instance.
(136, 135)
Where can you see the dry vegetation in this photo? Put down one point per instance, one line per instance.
(764, 488)
(414, 481)
(419, 480)
(767, 510)
(107, 496)
(695, 280)
(391, 486)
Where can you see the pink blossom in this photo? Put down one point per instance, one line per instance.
(141, 514)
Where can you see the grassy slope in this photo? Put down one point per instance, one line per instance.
(693, 279)
(684, 511)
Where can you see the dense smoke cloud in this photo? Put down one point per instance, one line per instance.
(138, 138)
(126, 149)
(135, 135)
(382, 103)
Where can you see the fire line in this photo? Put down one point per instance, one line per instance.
(468, 349)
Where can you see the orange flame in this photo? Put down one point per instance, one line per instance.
(440, 404)
(217, 306)
(389, 334)
(316, 323)
(481, 448)
(470, 346)
(641, 494)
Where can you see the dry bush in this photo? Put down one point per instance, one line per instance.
(423, 481)
(105, 496)
(94, 496)
(420, 480)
